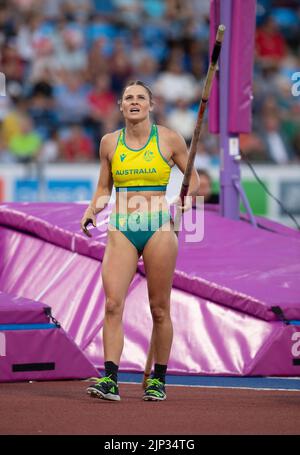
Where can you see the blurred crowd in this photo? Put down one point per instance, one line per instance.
(66, 62)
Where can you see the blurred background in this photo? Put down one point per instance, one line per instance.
(65, 63)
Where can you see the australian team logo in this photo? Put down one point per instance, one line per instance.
(148, 155)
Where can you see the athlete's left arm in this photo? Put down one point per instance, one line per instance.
(180, 157)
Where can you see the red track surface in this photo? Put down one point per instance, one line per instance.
(62, 407)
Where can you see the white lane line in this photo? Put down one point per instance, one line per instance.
(220, 387)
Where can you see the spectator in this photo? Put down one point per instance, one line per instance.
(11, 125)
(42, 88)
(29, 33)
(252, 147)
(177, 15)
(51, 9)
(26, 144)
(97, 59)
(70, 54)
(102, 106)
(270, 44)
(174, 84)
(25, 6)
(12, 63)
(78, 10)
(120, 67)
(182, 119)
(206, 189)
(77, 147)
(50, 150)
(138, 52)
(102, 99)
(147, 71)
(277, 148)
(129, 12)
(72, 100)
(7, 25)
(101, 28)
(43, 115)
(45, 61)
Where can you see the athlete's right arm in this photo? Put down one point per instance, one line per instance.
(104, 186)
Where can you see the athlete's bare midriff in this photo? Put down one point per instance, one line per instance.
(141, 201)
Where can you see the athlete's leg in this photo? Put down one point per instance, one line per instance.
(118, 269)
(159, 256)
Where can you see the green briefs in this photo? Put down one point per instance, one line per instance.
(139, 227)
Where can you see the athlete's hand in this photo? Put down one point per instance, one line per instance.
(88, 218)
(186, 205)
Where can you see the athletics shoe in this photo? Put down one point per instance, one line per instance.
(155, 390)
(104, 388)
